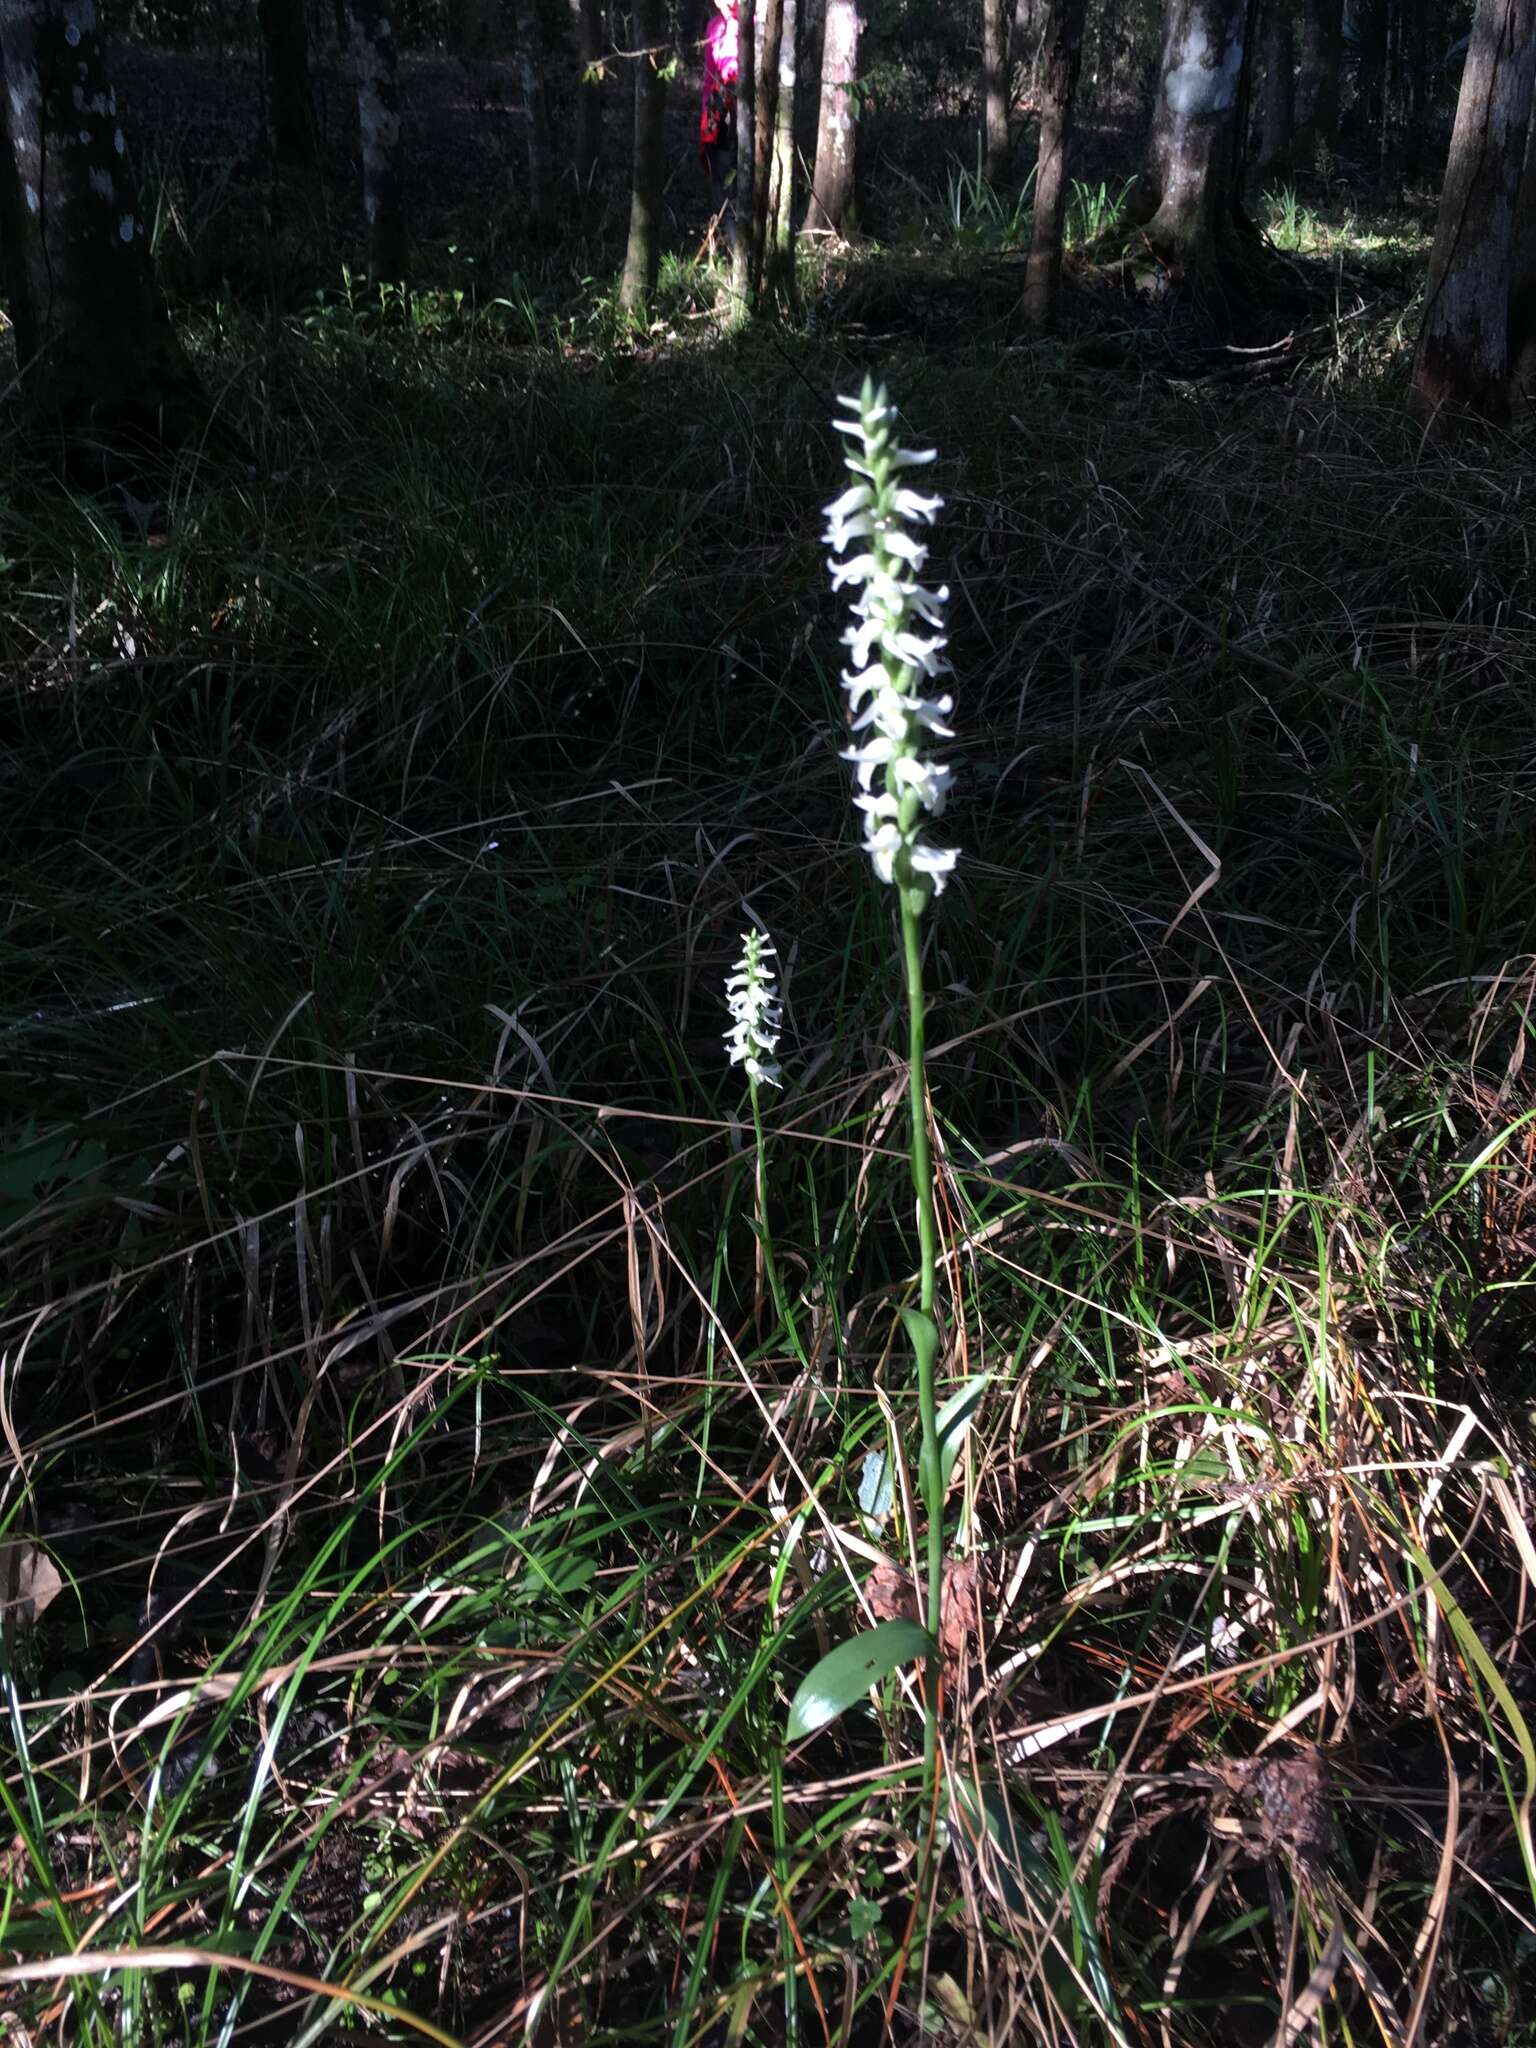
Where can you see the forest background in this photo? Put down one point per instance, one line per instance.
(443, 1437)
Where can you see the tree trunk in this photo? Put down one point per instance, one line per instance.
(832, 182)
(781, 205)
(1060, 62)
(1369, 122)
(770, 44)
(290, 103)
(744, 278)
(1322, 58)
(1463, 360)
(1415, 84)
(1023, 42)
(587, 17)
(1277, 112)
(472, 32)
(94, 341)
(541, 194)
(642, 256)
(994, 89)
(1522, 290)
(378, 120)
(1187, 195)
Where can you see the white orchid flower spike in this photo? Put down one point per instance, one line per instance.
(895, 645)
(752, 998)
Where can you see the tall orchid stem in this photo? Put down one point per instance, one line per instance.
(927, 1395)
(765, 1238)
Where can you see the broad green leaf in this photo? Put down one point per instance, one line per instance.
(955, 1418)
(876, 1493)
(845, 1674)
(924, 1333)
(952, 2001)
(1016, 1868)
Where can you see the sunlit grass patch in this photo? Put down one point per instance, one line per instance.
(1391, 242)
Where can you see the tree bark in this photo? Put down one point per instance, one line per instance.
(744, 278)
(94, 340)
(1322, 58)
(642, 255)
(1277, 112)
(1415, 84)
(994, 89)
(1061, 60)
(1187, 197)
(378, 119)
(587, 19)
(1371, 73)
(1522, 291)
(531, 63)
(781, 203)
(1023, 42)
(1463, 359)
(290, 102)
(770, 43)
(832, 182)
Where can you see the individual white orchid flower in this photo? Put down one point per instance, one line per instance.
(756, 1018)
(891, 656)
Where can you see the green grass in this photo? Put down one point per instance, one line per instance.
(381, 1283)
(1379, 241)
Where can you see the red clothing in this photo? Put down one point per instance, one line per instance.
(722, 68)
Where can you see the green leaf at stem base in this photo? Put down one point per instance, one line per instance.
(845, 1674)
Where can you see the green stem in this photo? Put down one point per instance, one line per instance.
(927, 1396)
(765, 1237)
(781, 1883)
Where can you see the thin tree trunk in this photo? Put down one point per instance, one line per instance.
(473, 30)
(587, 19)
(475, 42)
(1416, 84)
(770, 43)
(642, 256)
(832, 182)
(744, 278)
(532, 61)
(1187, 196)
(1023, 42)
(1322, 58)
(1522, 290)
(1061, 60)
(94, 341)
(290, 101)
(1277, 113)
(378, 119)
(781, 206)
(1371, 75)
(994, 89)
(1463, 360)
